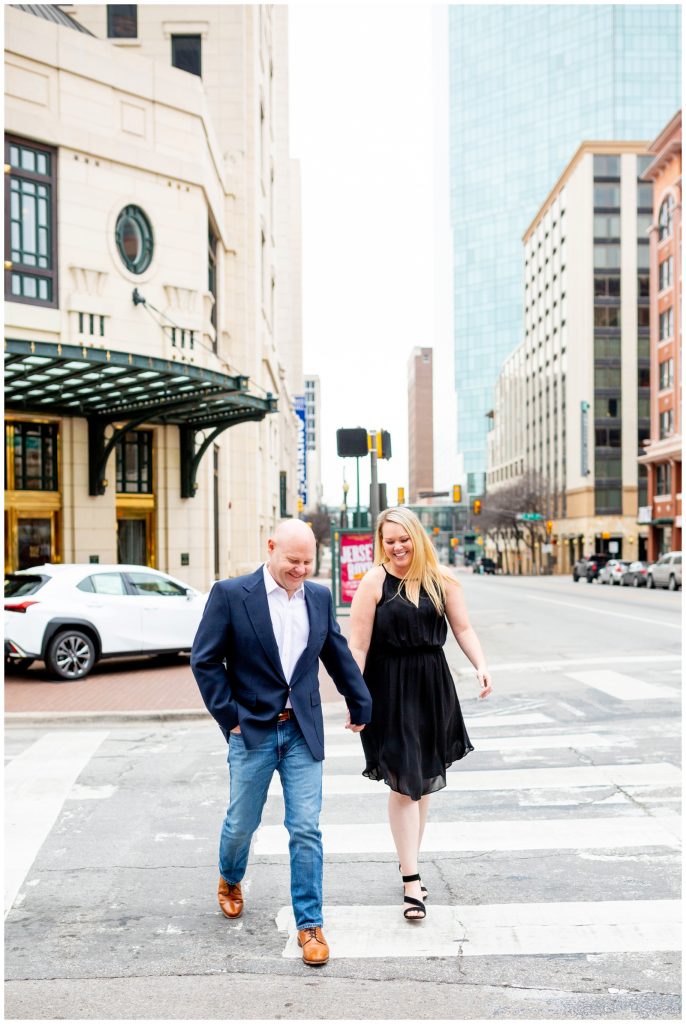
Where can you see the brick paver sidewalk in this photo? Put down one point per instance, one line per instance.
(124, 685)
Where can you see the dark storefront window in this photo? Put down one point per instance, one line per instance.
(134, 462)
(122, 21)
(30, 223)
(33, 450)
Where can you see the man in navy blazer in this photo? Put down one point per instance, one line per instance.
(256, 661)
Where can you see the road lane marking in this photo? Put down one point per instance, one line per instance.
(616, 615)
(493, 835)
(520, 744)
(616, 684)
(634, 775)
(37, 783)
(501, 929)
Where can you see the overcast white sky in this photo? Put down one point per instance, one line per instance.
(376, 280)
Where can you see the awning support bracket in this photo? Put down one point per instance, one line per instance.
(100, 449)
(190, 457)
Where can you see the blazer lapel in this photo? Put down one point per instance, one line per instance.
(257, 607)
(313, 643)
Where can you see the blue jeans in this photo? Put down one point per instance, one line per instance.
(283, 750)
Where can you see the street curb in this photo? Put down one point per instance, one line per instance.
(22, 718)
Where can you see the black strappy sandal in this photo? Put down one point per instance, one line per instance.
(416, 904)
(425, 891)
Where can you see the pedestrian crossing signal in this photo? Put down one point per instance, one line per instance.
(476, 507)
(549, 526)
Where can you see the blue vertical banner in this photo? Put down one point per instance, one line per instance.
(302, 451)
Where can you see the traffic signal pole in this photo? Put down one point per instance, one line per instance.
(374, 491)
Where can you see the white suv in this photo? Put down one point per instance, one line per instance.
(666, 572)
(70, 616)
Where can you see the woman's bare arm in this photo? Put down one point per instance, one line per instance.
(362, 612)
(456, 614)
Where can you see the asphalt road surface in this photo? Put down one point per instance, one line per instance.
(551, 858)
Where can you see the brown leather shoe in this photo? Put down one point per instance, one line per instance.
(230, 898)
(314, 946)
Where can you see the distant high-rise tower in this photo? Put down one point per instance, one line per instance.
(528, 84)
(420, 416)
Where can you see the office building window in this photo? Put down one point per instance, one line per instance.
(606, 196)
(643, 287)
(31, 223)
(606, 316)
(606, 257)
(643, 256)
(666, 374)
(605, 166)
(667, 324)
(643, 316)
(607, 407)
(609, 377)
(666, 273)
(134, 462)
(608, 437)
(33, 450)
(665, 218)
(607, 287)
(608, 500)
(606, 225)
(663, 478)
(645, 197)
(186, 54)
(122, 21)
(666, 423)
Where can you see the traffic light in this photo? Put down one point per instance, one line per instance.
(351, 443)
(301, 506)
(549, 526)
(401, 495)
(476, 507)
(454, 541)
(437, 529)
(457, 494)
(383, 444)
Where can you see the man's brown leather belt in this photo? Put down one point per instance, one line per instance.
(285, 715)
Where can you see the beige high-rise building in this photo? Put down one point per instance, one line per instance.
(152, 282)
(420, 429)
(573, 399)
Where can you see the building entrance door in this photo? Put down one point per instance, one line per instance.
(132, 541)
(34, 541)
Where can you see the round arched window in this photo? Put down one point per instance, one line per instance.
(134, 239)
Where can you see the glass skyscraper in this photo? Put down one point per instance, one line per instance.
(528, 84)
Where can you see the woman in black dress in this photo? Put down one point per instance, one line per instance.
(399, 623)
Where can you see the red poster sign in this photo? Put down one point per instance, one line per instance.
(356, 554)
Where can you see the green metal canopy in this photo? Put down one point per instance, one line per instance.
(106, 387)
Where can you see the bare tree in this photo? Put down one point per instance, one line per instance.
(502, 509)
(321, 527)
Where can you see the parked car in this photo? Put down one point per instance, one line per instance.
(71, 616)
(588, 567)
(484, 566)
(635, 575)
(666, 572)
(612, 571)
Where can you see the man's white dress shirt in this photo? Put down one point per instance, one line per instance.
(290, 622)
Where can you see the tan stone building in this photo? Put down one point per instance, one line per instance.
(420, 431)
(662, 458)
(574, 397)
(152, 319)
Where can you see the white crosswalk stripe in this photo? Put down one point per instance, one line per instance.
(501, 929)
(623, 687)
(518, 778)
(526, 817)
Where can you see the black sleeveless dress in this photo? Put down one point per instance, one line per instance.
(417, 729)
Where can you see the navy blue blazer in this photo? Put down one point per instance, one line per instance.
(236, 663)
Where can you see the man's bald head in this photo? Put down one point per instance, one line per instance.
(291, 554)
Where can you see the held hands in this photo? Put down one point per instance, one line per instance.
(353, 728)
(484, 678)
(237, 729)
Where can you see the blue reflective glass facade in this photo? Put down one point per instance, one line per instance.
(528, 85)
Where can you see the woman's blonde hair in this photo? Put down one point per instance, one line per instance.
(425, 569)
